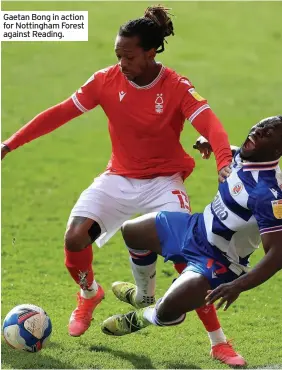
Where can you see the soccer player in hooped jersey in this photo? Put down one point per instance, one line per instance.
(147, 105)
(217, 243)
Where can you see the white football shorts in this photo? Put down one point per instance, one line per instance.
(112, 199)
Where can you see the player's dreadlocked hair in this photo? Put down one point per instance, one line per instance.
(151, 29)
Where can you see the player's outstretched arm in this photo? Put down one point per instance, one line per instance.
(197, 110)
(264, 270)
(84, 99)
(45, 122)
(209, 126)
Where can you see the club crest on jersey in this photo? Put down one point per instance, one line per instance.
(195, 95)
(237, 188)
(277, 208)
(159, 103)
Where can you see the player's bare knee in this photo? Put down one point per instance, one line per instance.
(141, 233)
(127, 231)
(74, 240)
(166, 311)
(81, 231)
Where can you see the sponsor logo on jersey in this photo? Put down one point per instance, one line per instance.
(219, 209)
(237, 188)
(159, 103)
(277, 208)
(195, 95)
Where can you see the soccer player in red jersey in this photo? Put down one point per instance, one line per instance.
(147, 105)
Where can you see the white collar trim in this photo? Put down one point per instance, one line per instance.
(153, 83)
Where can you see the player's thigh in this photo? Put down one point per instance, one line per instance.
(168, 194)
(187, 293)
(161, 232)
(173, 229)
(103, 203)
(141, 233)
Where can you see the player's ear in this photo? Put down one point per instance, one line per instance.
(279, 152)
(151, 53)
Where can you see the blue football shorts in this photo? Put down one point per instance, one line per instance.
(183, 239)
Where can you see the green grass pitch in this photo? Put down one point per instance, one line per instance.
(232, 53)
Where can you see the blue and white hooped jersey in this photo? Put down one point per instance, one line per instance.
(247, 205)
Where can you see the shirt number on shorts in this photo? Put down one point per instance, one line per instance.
(183, 199)
(221, 270)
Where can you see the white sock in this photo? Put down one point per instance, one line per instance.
(90, 292)
(150, 315)
(217, 337)
(145, 279)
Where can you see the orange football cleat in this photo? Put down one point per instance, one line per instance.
(81, 317)
(225, 353)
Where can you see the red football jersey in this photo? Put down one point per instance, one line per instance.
(145, 122)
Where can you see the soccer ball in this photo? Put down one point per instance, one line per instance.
(27, 327)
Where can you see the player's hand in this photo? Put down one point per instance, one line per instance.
(204, 147)
(4, 151)
(224, 173)
(227, 293)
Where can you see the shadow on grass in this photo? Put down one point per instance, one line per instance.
(140, 361)
(178, 365)
(25, 360)
(275, 366)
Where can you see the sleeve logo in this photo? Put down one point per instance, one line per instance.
(195, 95)
(237, 188)
(277, 208)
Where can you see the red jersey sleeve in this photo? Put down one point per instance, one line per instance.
(45, 122)
(197, 110)
(192, 103)
(88, 95)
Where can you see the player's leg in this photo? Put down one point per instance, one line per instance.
(221, 349)
(207, 314)
(184, 295)
(140, 234)
(171, 307)
(174, 198)
(81, 233)
(162, 193)
(165, 194)
(95, 213)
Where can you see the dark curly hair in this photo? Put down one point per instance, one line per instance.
(151, 29)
